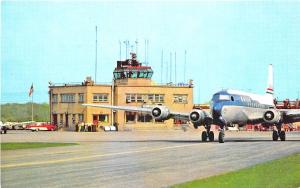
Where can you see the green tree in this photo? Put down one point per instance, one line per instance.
(22, 112)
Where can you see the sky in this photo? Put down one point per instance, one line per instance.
(229, 44)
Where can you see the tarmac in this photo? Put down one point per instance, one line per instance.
(134, 159)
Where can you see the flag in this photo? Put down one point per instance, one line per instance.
(30, 90)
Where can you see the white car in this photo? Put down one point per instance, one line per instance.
(3, 128)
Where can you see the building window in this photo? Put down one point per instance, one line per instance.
(54, 98)
(133, 97)
(103, 118)
(180, 99)
(68, 98)
(80, 97)
(128, 98)
(80, 117)
(140, 98)
(100, 97)
(157, 98)
(130, 117)
(143, 117)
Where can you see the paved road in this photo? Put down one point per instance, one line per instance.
(133, 159)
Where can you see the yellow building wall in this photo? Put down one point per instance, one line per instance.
(67, 109)
(167, 91)
(129, 86)
(91, 90)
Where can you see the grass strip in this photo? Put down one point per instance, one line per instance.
(31, 145)
(284, 172)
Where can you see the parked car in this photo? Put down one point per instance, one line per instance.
(41, 127)
(3, 128)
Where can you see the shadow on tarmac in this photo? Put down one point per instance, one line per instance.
(191, 141)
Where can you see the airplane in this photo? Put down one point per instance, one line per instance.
(228, 107)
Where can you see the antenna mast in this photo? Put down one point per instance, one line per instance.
(96, 58)
(171, 67)
(147, 52)
(161, 66)
(175, 68)
(126, 42)
(120, 45)
(136, 47)
(184, 68)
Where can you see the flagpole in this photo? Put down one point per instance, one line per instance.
(32, 107)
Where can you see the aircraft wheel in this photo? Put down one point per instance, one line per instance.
(282, 135)
(211, 136)
(204, 136)
(221, 137)
(275, 136)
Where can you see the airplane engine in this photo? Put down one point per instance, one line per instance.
(160, 113)
(272, 116)
(197, 116)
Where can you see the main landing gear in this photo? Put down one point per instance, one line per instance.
(208, 134)
(221, 134)
(278, 133)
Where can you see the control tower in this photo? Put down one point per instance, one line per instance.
(131, 71)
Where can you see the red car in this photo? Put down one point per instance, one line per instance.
(41, 127)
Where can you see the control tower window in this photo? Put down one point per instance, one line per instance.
(132, 68)
(140, 74)
(134, 75)
(150, 74)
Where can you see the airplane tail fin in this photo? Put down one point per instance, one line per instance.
(270, 88)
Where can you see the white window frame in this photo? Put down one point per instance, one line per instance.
(100, 97)
(67, 97)
(80, 97)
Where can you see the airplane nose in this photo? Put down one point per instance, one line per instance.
(216, 111)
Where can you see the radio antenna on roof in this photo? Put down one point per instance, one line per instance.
(96, 57)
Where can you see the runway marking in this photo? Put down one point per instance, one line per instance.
(92, 156)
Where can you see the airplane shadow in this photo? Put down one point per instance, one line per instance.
(192, 141)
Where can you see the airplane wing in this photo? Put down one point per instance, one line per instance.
(174, 115)
(125, 108)
(290, 115)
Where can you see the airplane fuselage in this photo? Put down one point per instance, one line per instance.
(235, 107)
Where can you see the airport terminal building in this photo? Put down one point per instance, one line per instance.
(131, 86)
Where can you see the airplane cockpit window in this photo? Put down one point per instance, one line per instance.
(224, 98)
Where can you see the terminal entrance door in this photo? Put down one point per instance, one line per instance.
(95, 119)
(54, 119)
(67, 120)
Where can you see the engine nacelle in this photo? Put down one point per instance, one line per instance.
(272, 116)
(197, 116)
(160, 113)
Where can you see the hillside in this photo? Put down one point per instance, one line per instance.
(16, 112)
